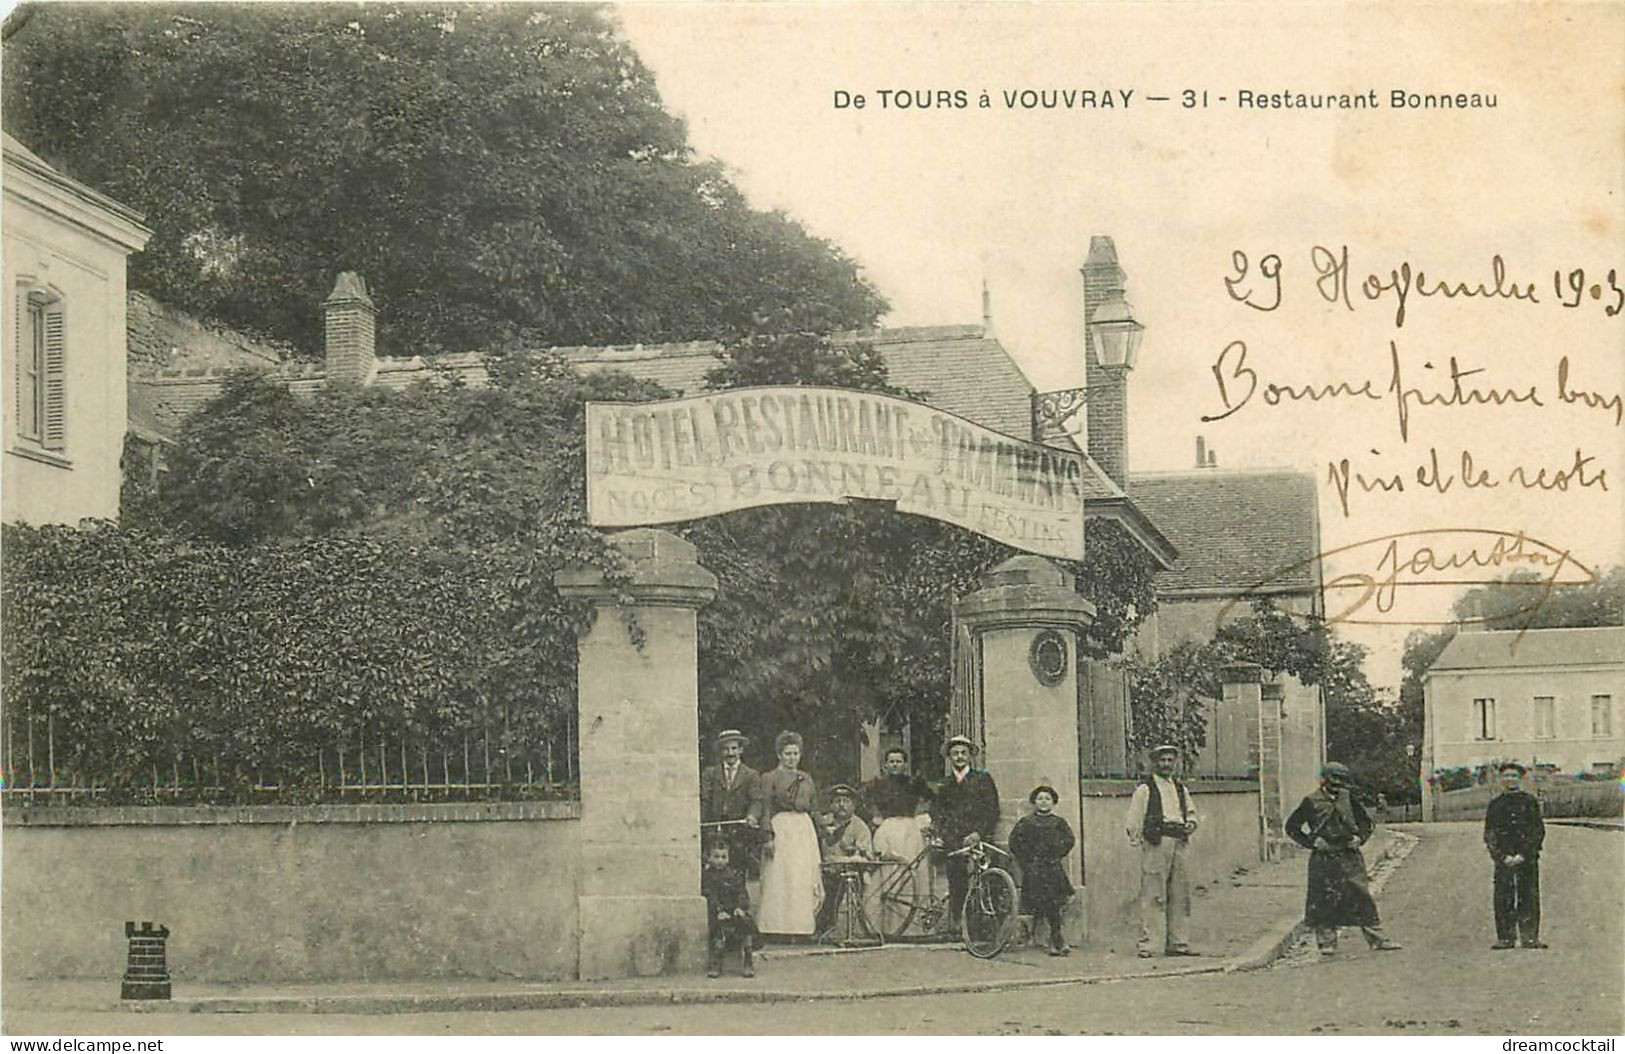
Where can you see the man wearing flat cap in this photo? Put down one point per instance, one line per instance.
(731, 791)
(964, 811)
(1333, 825)
(1161, 820)
(845, 837)
(1514, 833)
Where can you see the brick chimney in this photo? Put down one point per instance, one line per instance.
(350, 315)
(1107, 420)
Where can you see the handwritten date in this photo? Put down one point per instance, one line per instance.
(1260, 286)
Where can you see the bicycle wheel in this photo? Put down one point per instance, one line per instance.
(895, 903)
(990, 911)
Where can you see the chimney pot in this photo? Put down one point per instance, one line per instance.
(350, 318)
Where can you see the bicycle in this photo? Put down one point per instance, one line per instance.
(988, 919)
(990, 901)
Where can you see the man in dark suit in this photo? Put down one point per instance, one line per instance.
(731, 791)
(964, 811)
(1514, 833)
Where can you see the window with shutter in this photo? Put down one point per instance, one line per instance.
(54, 430)
(40, 374)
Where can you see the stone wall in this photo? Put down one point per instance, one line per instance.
(290, 894)
(1227, 839)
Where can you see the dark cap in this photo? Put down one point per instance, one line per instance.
(842, 788)
(1513, 766)
(1336, 772)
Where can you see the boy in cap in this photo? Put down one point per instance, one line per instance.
(731, 790)
(727, 910)
(1332, 824)
(1161, 821)
(964, 811)
(1514, 833)
(1040, 843)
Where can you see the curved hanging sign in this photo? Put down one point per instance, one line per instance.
(680, 459)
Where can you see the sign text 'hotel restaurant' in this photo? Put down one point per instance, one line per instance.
(663, 462)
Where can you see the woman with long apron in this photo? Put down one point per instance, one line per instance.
(792, 881)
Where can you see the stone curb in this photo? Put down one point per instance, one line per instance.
(1596, 825)
(1266, 951)
(572, 998)
(1290, 931)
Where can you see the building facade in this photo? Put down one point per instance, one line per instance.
(1543, 697)
(64, 249)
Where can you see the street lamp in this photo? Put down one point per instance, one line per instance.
(1116, 332)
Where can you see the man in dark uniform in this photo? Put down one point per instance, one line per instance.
(1332, 824)
(1513, 833)
(964, 811)
(731, 790)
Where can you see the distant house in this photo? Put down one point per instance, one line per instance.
(64, 249)
(1548, 697)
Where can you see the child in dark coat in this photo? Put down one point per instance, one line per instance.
(727, 910)
(1040, 843)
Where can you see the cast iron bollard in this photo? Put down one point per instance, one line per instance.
(147, 976)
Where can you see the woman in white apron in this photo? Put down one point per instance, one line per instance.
(792, 882)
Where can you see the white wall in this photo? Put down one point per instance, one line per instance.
(54, 239)
(1572, 748)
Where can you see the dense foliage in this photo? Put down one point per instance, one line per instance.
(834, 614)
(827, 615)
(492, 170)
(1360, 730)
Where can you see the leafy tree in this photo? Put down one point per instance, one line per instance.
(493, 171)
(833, 614)
(1360, 730)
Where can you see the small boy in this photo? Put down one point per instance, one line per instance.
(1040, 843)
(727, 909)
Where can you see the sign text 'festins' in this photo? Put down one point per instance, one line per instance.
(664, 462)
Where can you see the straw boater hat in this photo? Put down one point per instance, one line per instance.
(966, 740)
(732, 733)
(1164, 748)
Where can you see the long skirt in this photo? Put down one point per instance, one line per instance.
(1339, 894)
(792, 879)
(899, 840)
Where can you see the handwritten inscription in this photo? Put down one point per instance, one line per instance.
(1382, 567)
(1261, 288)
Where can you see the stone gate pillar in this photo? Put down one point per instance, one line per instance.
(639, 904)
(1245, 699)
(1023, 626)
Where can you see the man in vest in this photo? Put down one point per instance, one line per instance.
(730, 791)
(1160, 823)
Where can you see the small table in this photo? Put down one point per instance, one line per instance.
(856, 931)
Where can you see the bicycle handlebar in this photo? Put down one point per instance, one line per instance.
(979, 846)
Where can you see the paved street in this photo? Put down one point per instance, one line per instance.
(1446, 981)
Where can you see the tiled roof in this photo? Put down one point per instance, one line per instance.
(1234, 529)
(1501, 649)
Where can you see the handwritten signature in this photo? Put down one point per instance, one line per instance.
(1440, 556)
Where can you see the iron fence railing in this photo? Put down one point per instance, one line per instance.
(492, 762)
